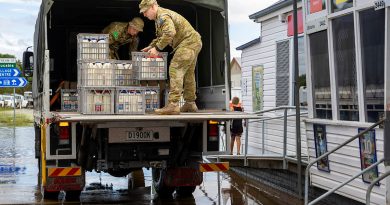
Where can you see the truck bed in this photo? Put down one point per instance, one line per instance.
(199, 116)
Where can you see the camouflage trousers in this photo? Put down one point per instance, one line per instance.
(182, 73)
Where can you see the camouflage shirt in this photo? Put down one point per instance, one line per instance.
(174, 30)
(119, 36)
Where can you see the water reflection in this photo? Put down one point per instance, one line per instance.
(18, 171)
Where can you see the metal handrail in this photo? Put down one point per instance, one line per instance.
(346, 182)
(330, 152)
(275, 118)
(368, 193)
(274, 109)
(285, 108)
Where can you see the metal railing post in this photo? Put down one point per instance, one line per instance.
(369, 189)
(263, 139)
(246, 142)
(285, 140)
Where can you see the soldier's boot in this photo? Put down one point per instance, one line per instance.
(170, 109)
(189, 107)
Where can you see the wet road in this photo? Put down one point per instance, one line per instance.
(18, 182)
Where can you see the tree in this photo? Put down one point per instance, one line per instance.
(6, 56)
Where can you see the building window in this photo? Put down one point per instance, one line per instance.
(339, 5)
(372, 29)
(315, 6)
(320, 71)
(345, 67)
(302, 72)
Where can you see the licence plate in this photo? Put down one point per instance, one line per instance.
(140, 136)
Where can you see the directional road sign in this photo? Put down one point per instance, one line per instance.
(7, 62)
(15, 82)
(9, 72)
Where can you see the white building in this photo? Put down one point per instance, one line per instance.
(342, 56)
(267, 78)
(235, 75)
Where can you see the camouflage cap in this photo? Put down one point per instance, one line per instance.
(145, 4)
(137, 23)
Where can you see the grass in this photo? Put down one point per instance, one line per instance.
(21, 119)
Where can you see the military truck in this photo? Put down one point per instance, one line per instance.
(67, 144)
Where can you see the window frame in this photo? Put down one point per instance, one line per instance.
(355, 11)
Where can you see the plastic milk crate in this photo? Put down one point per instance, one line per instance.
(96, 73)
(92, 46)
(152, 98)
(96, 101)
(69, 100)
(149, 67)
(130, 100)
(125, 73)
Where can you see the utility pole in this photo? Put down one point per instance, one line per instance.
(296, 99)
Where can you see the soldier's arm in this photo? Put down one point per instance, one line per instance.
(108, 30)
(133, 45)
(168, 32)
(153, 43)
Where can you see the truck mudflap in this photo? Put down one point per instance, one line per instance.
(183, 176)
(65, 178)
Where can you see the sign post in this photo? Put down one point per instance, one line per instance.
(9, 78)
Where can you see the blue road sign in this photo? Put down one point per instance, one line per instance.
(13, 82)
(9, 72)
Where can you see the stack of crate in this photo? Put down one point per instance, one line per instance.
(95, 78)
(113, 86)
(151, 68)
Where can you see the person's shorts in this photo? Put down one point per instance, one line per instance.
(234, 135)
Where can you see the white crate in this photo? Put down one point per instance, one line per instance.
(92, 46)
(125, 73)
(150, 68)
(130, 100)
(97, 101)
(152, 98)
(69, 100)
(93, 73)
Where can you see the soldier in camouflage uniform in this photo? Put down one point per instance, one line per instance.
(174, 30)
(122, 33)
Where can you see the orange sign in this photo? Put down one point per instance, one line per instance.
(290, 20)
(315, 6)
(214, 167)
(63, 172)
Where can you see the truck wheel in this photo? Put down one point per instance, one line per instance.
(158, 183)
(136, 179)
(185, 190)
(73, 195)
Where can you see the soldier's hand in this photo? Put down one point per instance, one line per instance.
(153, 52)
(146, 49)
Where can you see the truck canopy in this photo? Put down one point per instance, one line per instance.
(67, 18)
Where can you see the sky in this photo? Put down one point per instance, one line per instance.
(17, 24)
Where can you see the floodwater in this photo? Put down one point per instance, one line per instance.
(18, 182)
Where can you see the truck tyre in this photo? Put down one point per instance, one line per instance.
(162, 190)
(185, 190)
(73, 195)
(136, 179)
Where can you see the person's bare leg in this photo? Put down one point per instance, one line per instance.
(231, 144)
(238, 141)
